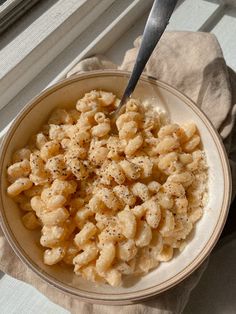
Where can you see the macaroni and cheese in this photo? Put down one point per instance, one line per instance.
(110, 204)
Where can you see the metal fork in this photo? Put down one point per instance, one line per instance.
(157, 21)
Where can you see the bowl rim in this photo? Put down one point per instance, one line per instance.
(130, 297)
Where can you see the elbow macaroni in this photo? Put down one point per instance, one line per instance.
(110, 204)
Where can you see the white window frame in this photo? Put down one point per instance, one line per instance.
(23, 58)
(45, 38)
(11, 10)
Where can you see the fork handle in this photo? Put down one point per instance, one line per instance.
(157, 21)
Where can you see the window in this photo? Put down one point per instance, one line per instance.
(11, 10)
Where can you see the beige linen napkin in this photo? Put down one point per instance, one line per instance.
(194, 64)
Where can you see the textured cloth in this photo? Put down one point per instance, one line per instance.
(194, 64)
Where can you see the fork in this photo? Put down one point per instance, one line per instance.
(157, 21)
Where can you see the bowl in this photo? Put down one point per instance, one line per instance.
(180, 109)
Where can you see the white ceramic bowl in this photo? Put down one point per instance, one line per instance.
(208, 229)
